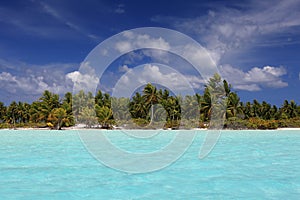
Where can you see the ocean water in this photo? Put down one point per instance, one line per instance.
(243, 165)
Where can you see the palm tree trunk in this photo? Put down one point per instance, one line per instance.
(152, 114)
(14, 120)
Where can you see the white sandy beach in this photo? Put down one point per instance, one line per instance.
(82, 128)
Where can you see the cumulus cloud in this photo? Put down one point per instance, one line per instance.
(157, 74)
(84, 82)
(124, 68)
(84, 79)
(254, 79)
(33, 80)
(136, 41)
(27, 79)
(31, 85)
(162, 49)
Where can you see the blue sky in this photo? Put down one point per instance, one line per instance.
(255, 44)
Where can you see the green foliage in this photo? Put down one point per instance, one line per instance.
(104, 115)
(88, 117)
(236, 123)
(257, 123)
(57, 117)
(153, 108)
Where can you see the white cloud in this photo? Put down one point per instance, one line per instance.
(201, 58)
(84, 79)
(276, 71)
(137, 41)
(226, 29)
(232, 31)
(34, 80)
(84, 82)
(157, 74)
(124, 68)
(31, 85)
(31, 80)
(255, 78)
(123, 46)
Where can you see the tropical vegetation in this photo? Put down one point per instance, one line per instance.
(152, 107)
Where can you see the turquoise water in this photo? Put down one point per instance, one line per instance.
(243, 165)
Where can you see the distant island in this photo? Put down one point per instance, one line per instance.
(150, 109)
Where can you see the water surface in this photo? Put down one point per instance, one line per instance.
(243, 165)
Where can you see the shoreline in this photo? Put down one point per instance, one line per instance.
(195, 129)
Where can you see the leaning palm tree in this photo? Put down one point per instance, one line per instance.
(58, 116)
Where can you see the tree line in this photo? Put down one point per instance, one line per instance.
(150, 108)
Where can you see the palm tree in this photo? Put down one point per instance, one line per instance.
(289, 110)
(120, 108)
(99, 98)
(48, 102)
(57, 117)
(293, 109)
(81, 101)
(266, 112)
(173, 109)
(23, 112)
(150, 97)
(88, 117)
(20, 113)
(234, 106)
(247, 110)
(227, 88)
(190, 107)
(107, 100)
(274, 113)
(35, 115)
(138, 107)
(215, 100)
(256, 109)
(104, 115)
(216, 88)
(2, 112)
(12, 113)
(67, 105)
(205, 105)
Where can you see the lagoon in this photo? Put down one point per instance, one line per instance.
(42, 164)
